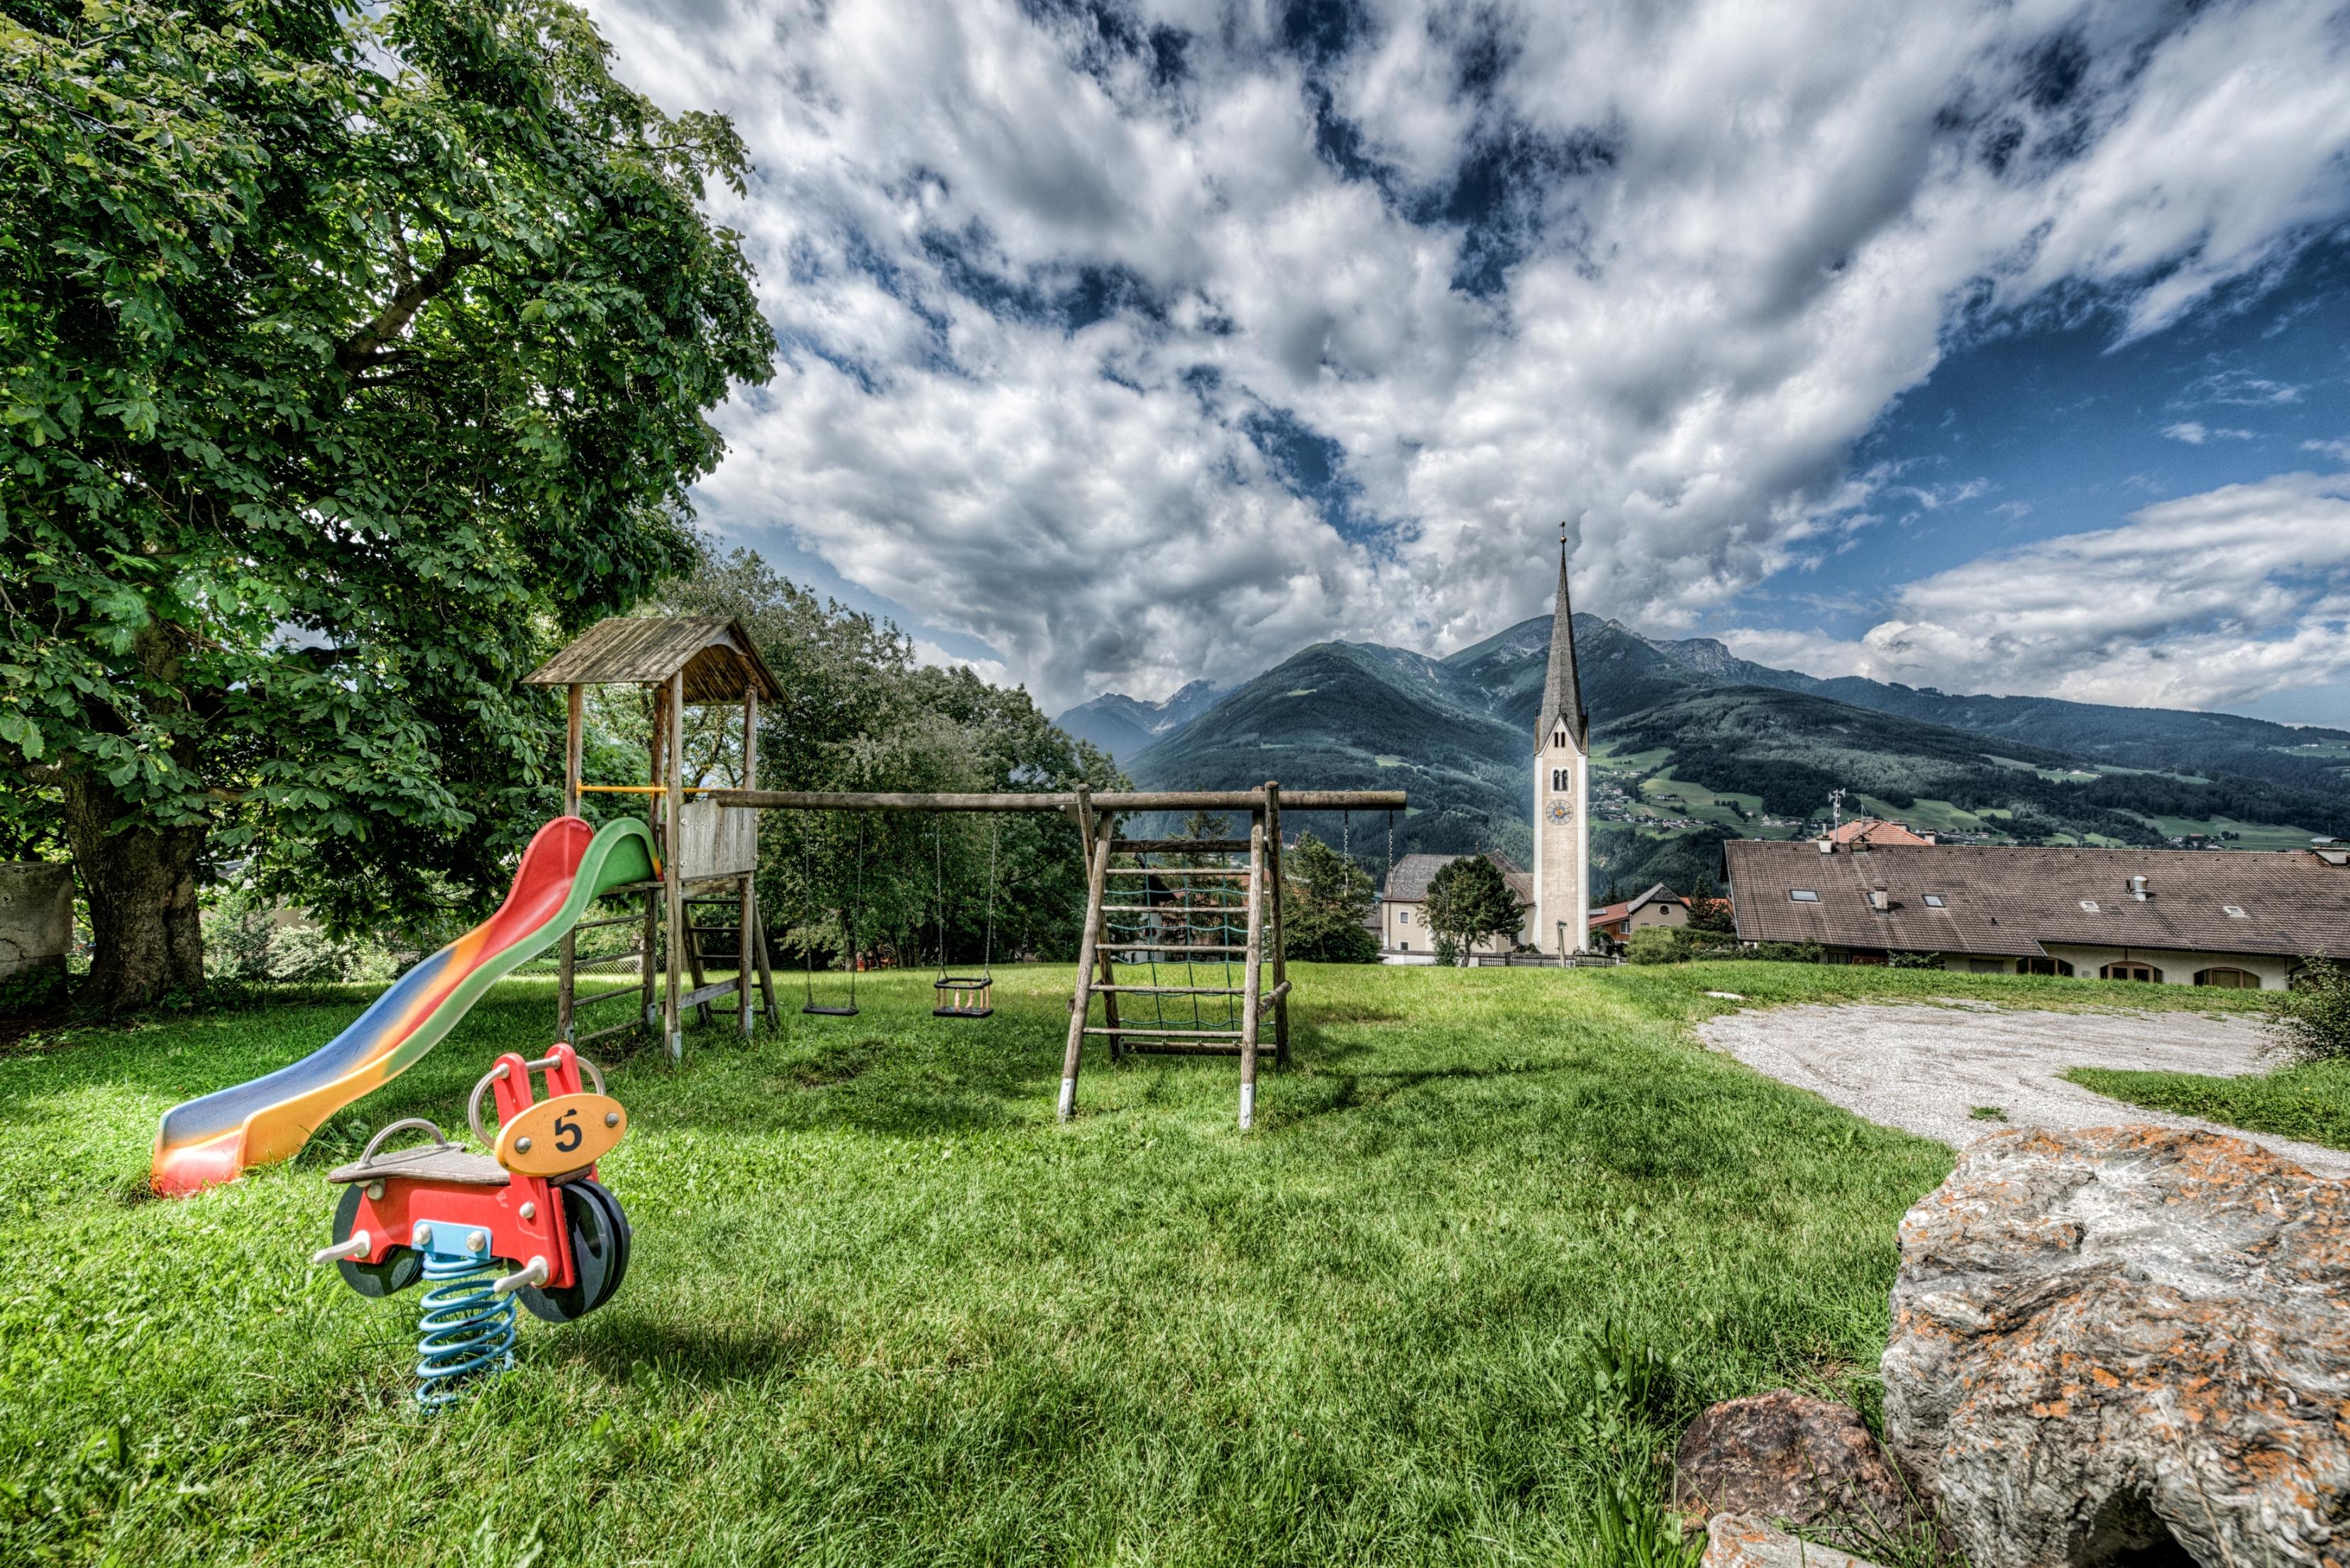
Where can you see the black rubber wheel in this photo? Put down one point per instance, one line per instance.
(400, 1269)
(624, 1231)
(595, 1257)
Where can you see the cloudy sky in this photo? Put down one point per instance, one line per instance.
(1995, 347)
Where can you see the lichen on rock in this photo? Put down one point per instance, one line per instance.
(2105, 1336)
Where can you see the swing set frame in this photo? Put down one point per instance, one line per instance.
(1097, 817)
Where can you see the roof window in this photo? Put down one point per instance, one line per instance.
(1934, 901)
(2234, 911)
(2088, 905)
(1803, 896)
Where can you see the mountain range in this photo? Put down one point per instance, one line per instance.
(1693, 744)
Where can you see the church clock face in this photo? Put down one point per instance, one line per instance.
(1560, 811)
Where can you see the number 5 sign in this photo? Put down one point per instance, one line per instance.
(557, 1137)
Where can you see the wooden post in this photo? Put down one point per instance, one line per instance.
(1254, 970)
(750, 780)
(1090, 827)
(1280, 959)
(1081, 1005)
(672, 878)
(648, 949)
(574, 733)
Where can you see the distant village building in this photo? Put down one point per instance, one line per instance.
(2180, 917)
(1874, 832)
(1562, 885)
(1404, 934)
(1659, 906)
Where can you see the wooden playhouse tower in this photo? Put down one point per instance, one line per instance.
(708, 851)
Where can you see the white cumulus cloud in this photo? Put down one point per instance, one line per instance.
(2192, 603)
(1149, 341)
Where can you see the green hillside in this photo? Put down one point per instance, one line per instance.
(1693, 745)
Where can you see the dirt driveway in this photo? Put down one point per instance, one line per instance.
(1924, 1069)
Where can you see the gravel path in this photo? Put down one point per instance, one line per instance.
(1923, 1069)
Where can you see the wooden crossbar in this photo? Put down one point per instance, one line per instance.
(1178, 871)
(1180, 846)
(1174, 991)
(1153, 1032)
(1169, 948)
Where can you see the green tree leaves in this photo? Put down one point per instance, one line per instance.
(347, 362)
(1469, 900)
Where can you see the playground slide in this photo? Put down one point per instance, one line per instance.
(216, 1138)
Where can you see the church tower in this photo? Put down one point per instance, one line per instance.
(1562, 791)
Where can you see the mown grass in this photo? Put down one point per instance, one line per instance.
(884, 1310)
(2307, 1100)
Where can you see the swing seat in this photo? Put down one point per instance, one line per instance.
(829, 1012)
(963, 996)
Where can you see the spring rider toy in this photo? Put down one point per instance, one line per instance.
(529, 1220)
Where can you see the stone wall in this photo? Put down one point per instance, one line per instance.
(36, 916)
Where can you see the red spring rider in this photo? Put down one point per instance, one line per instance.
(527, 1220)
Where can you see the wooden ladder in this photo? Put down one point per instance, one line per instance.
(1097, 974)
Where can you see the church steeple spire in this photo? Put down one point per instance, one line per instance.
(1561, 687)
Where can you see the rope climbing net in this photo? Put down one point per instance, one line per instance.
(1185, 928)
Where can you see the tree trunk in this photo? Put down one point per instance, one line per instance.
(141, 884)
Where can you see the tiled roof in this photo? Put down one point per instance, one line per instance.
(1876, 830)
(716, 654)
(1407, 882)
(2009, 902)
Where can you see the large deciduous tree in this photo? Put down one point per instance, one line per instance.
(350, 357)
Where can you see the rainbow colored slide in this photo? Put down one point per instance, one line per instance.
(218, 1138)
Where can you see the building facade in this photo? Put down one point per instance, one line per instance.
(2241, 919)
(1659, 906)
(1562, 793)
(1404, 934)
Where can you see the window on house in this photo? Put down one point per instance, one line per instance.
(2233, 911)
(1934, 901)
(2088, 905)
(2140, 971)
(1403, 916)
(2054, 966)
(1405, 947)
(2228, 979)
(1803, 896)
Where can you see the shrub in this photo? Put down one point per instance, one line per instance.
(2316, 1022)
(1448, 948)
(1913, 960)
(1786, 952)
(1655, 944)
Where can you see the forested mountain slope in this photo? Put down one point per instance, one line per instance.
(1693, 743)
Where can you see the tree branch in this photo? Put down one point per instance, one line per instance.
(368, 349)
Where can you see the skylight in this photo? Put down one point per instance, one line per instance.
(1803, 896)
(2233, 911)
(1934, 901)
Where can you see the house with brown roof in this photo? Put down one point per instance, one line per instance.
(2180, 917)
(1874, 831)
(1659, 906)
(1404, 934)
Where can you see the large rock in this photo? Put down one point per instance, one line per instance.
(2103, 1335)
(1736, 1541)
(1788, 1458)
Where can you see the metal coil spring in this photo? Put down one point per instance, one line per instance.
(467, 1331)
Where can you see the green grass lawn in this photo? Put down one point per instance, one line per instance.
(884, 1310)
(2309, 1100)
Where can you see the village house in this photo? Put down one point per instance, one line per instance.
(1874, 832)
(1659, 906)
(2176, 917)
(1404, 933)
